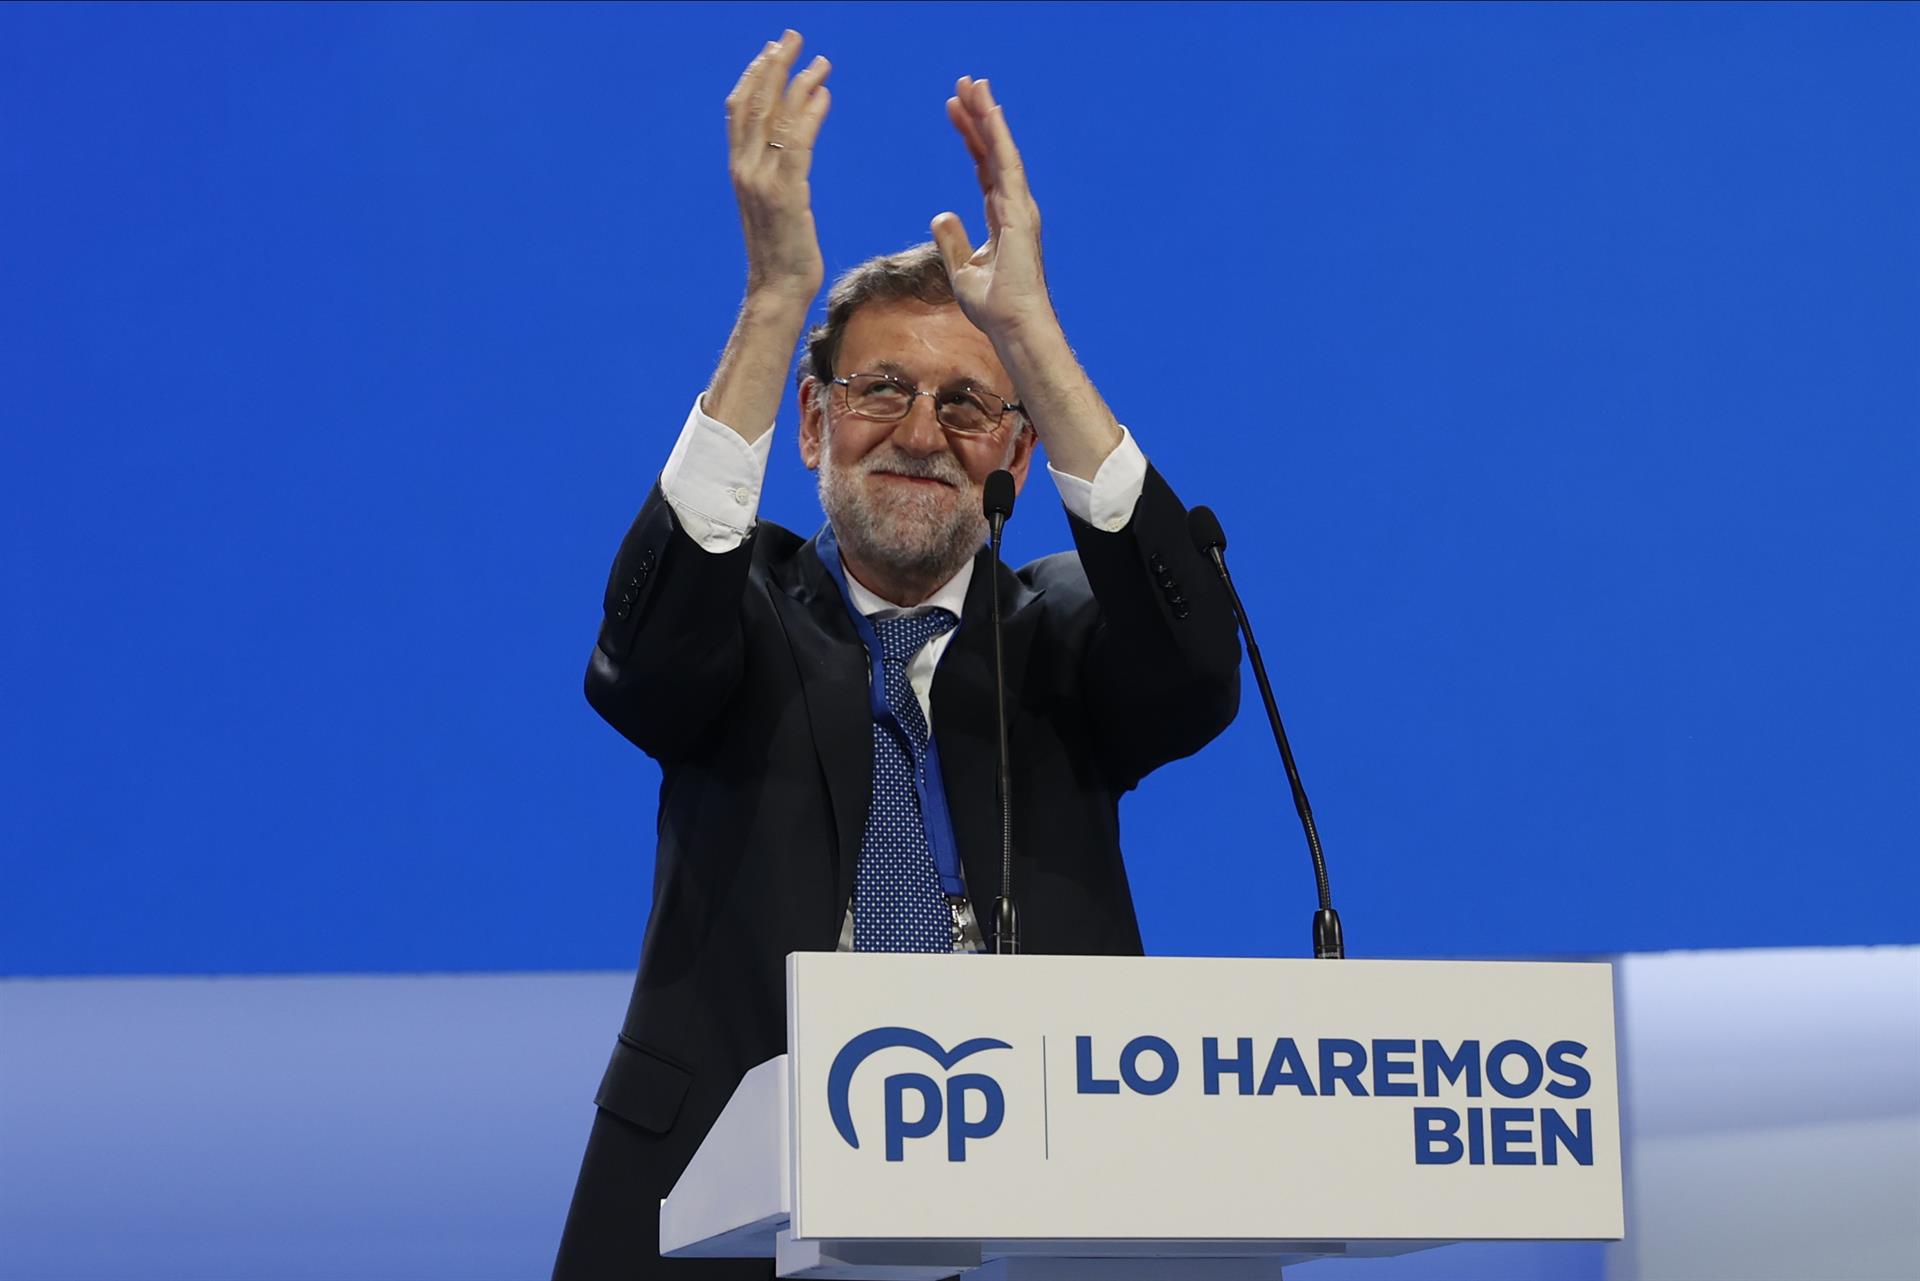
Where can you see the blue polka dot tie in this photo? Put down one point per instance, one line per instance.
(898, 905)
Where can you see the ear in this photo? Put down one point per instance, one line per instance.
(1022, 454)
(813, 423)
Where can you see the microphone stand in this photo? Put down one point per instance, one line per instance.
(1328, 940)
(997, 504)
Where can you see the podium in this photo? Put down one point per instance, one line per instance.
(1144, 1119)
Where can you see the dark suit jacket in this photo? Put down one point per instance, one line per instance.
(742, 675)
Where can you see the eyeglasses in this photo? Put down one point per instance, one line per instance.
(964, 411)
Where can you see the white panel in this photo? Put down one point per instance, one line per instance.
(403, 1128)
(1784, 1204)
(1773, 1105)
(1183, 1164)
(733, 1197)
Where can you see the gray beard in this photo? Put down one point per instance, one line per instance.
(912, 537)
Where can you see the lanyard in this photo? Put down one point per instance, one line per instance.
(928, 783)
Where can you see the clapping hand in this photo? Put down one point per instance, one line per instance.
(1000, 286)
(771, 127)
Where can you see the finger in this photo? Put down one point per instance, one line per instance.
(963, 123)
(950, 235)
(1003, 158)
(799, 117)
(741, 102)
(768, 81)
(740, 86)
(771, 84)
(803, 85)
(805, 127)
(973, 120)
(742, 90)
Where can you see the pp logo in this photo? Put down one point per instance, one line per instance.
(933, 1103)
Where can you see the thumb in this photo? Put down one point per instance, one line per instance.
(951, 237)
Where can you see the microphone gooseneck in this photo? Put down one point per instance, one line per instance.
(1328, 943)
(997, 505)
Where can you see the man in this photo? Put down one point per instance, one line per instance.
(822, 709)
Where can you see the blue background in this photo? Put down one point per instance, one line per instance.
(1553, 370)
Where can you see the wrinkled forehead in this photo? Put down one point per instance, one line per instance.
(932, 345)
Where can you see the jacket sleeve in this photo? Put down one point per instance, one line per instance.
(670, 650)
(1162, 667)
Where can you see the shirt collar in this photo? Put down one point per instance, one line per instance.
(951, 597)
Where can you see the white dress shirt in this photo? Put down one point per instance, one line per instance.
(713, 479)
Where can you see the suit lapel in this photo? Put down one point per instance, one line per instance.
(964, 726)
(834, 671)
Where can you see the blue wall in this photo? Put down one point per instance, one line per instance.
(1552, 368)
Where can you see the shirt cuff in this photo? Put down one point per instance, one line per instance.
(713, 479)
(1106, 502)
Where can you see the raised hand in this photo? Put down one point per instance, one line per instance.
(1000, 285)
(1003, 291)
(771, 127)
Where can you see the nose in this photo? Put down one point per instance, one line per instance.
(920, 432)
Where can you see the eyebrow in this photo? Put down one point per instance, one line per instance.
(897, 370)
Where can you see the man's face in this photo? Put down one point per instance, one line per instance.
(905, 496)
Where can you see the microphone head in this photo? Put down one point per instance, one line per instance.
(1204, 528)
(997, 498)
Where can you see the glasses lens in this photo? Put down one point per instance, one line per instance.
(873, 396)
(966, 412)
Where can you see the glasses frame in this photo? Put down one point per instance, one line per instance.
(846, 390)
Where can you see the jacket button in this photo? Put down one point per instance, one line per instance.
(622, 611)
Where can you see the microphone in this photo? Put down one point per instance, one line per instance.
(997, 500)
(997, 505)
(1204, 528)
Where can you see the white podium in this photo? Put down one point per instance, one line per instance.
(1142, 1119)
